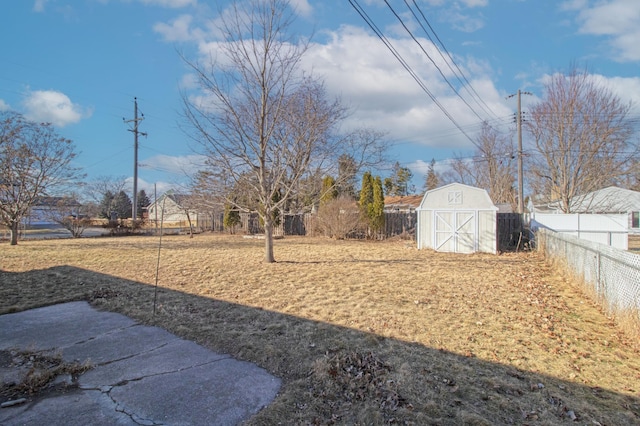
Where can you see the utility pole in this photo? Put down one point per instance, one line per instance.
(136, 120)
(520, 167)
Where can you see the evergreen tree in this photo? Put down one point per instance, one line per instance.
(366, 193)
(329, 190)
(104, 209)
(122, 205)
(231, 218)
(106, 205)
(376, 208)
(143, 203)
(432, 180)
(372, 201)
(399, 182)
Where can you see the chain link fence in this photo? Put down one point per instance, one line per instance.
(612, 275)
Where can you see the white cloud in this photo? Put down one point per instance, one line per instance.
(189, 81)
(4, 106)
(358, 68)
(38, 6)
(53, 107)
(462, 21)
(151, 188)
(177, 30)
(617, 19)
(174, 4)
(421, 167)
(572, 5)
(475, 3)
(625, 88)
(302, 7)
(180, 166)
(184, 29)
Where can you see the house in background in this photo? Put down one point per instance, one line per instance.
(611, 200)
(402, 204)
(45, 209)
(170, 209)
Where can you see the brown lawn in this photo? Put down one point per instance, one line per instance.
(360, 332)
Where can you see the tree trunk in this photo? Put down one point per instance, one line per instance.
(268, 240)
(190, 225)
(14, 233)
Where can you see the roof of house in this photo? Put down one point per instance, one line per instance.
(403, 201)
(606, 200)
(179, 199)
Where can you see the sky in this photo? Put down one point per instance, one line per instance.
(79, 64)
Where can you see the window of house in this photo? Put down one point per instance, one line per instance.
(635, 219)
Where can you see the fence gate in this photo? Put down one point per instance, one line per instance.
(455, 231)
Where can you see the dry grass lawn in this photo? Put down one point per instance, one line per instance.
(360, 332)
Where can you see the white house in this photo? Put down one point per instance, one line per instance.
(170, 209)
(457, 218)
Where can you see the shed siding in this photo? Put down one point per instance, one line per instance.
(425, 229)
(487, 232)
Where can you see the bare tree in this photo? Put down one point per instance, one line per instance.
(96, 189)
(491, 168)
(339, 217)
(263, 124)
(432, 178)
(70, 214)
(34, 162)
(581, 139)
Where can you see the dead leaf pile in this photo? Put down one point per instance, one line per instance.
(356, 377)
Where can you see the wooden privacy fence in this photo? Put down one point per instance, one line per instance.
(510, 225)
(513, 233)
(400, 224)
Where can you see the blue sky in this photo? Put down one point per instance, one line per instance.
(79, 64)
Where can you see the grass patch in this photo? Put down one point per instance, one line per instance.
(36, 372)
(360, 332)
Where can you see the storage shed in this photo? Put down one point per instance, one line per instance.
(457, 218)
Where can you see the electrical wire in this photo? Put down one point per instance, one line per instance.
(432, 60)
(468, 86)
(407, 67)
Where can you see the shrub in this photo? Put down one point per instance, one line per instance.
(338, 218)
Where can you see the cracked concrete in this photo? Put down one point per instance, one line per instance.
(141, 375)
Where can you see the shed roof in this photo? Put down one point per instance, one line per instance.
(457, 196)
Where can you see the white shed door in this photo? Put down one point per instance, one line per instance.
(455, 231)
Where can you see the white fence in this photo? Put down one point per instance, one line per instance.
(612, 274)
(609, 229)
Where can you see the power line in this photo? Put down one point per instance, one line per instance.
(396, 54)
(468, 86)
(431, 59)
